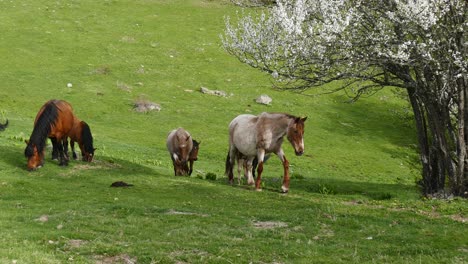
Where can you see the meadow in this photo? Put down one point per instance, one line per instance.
(353, 196)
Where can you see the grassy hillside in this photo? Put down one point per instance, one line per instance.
(353, 196)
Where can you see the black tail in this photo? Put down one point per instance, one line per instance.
(228, 165)
(2, 127)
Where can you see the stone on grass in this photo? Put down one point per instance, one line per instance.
(263, 99)
(213, 92)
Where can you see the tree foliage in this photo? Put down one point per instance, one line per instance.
(417, 45)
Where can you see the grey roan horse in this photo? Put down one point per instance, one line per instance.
(182, 149)
(254, 136)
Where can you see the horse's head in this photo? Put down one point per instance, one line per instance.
(88, 155)
(35, 157)
(295, 135)
(185, 146)
(194, 153)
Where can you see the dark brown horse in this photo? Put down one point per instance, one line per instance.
(183, 150)
(54, 120)
(254, 136)
(3, 126)
(81, 133)
(193, 156)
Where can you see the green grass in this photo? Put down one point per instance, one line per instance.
(353, 197)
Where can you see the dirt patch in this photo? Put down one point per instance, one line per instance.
(96, 165)
(352, 202)
(174, 212)
(175, 255)
(76, 243)
(121, 259)
(269, 224)
(42, 218)
(459, 218)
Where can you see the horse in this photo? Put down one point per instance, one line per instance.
(253, 136)
(3, 126)
(54, 120)
(81, 133)
(193, 156)
(182, 149)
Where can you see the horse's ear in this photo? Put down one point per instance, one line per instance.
(304, 119)
(26, 141)
(188, 138)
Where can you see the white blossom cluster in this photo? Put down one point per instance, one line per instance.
(318, 41)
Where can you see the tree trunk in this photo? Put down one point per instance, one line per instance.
(423, 141)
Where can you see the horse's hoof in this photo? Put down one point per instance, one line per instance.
(284, 190)
(258, 190)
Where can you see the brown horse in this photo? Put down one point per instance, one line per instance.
(81, 133)
(182, 149)
(54, 120)
(3, 126)
(193, 156)
(254, 136)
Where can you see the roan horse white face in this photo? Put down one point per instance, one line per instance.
(183, 150)
(254, 136)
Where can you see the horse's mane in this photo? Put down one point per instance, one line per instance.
(87, 137)
(284, 114)
(42, 129)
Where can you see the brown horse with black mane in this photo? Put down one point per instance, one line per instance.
(55, 120)
(81, 133)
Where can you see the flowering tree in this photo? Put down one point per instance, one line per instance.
(416, 45)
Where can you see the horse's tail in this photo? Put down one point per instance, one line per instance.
(2, 127)
(229, 165)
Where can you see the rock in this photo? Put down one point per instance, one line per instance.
(120, 184)
(263, 99)
(146, 106)
(213, 92)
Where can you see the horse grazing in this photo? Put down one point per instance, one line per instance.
(193, 154)
(54, 120)
(253, 137)
(3, 126)
(182, 149)
(81, 133)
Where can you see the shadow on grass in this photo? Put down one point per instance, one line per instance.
(380, 120)
(336, 187)
(14, 157)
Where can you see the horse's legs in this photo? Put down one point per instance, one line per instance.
(65, 148)
(72, 146)
(62, 159)
(285, 186)
(260, 156)
(191, 167)
(230, 161)
(54, 148)
(174, 164)
(185, 168)
(241, 163)
(249, 168)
